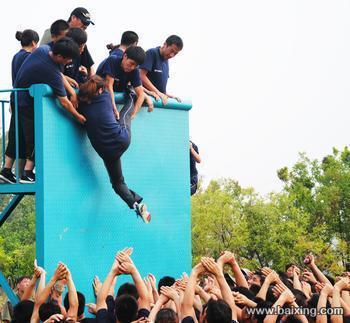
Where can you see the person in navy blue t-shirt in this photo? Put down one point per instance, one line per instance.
(120, 71)
(129, 38)
(155, 68)
(75, 70)
(42, 66)
(194, 158)
(29, 41)
(109, 137)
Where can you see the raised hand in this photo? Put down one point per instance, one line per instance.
(60, 272)
(309, 276)
(288, 296)
(127, 268)
(169, 292)
(226, 257)
(240, 298)
(210, 265)
(266, 270)
(55, 318)
(96, 285)
(91, 308)
(273, 277)
(309, 259)
(343, 284)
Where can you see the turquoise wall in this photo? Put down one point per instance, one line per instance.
(82, 222)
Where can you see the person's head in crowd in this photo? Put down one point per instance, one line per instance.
(165, 281)
(80, 18)
(167, 315)
(48, 309)
(129, 38)
(64, 50)
(172, 46)
(290, 270)
(259, 316)
(132, 57)
(256, 279)
(126, 308)
(22, 284)
(29, 39)
(254, 289)
(22, 312)
(56, 291)
(79, 36)
(128, 289)
(216, 311)
(291, 319)
(58, 29)
(300, 297)
(81, 307)
(87, 91)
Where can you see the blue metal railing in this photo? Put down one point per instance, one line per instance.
(15, 110)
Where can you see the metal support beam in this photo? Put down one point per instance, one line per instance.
(8, 290)
(10, 207)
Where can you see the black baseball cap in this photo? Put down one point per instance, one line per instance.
(83, 15)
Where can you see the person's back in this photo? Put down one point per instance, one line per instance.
(102, 128)
(33, 67)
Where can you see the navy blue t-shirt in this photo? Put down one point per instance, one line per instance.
(72, 70)
(106, 135)
(17, 62)
(116, 52)
(193, 168)
(39, 68)
(157, 67)
(112, 66)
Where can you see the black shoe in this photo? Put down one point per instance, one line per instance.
(7, 176)
(28, 177)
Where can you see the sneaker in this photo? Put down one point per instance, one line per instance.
(28, 177)
(141, 211)
(7, 176)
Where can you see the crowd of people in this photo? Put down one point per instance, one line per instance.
(214, 292)
(63, 61)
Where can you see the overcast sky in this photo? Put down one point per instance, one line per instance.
(267, 79)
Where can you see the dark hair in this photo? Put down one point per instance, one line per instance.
(260, 315)
(166, 315)
(218, 312)
(166, 281)
(129, 38)
(254, 288)
(19, 280)
(128, 289)
(78, 35)
(81, 301)
(27, 36)
(66, 47)
(48, 309)
(175, 40)
(126, 308)
(23, 311)
(89, 89)
(289, 265)
(58, 27)
(136, 53)
(292, 319)
(300, 297)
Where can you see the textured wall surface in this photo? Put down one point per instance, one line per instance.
(82, 222)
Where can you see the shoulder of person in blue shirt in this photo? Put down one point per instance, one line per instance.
(17, 62)
(39, 68)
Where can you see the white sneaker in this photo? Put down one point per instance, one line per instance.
(141, 211)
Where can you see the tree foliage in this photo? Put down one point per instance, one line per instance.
(311, 213)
